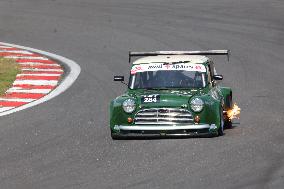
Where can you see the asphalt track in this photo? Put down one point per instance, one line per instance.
(65, 142)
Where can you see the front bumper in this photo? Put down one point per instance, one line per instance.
(165, 130)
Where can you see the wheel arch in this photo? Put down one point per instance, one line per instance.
(228, 97)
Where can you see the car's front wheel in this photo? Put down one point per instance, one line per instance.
(227, 121)
(228, 124)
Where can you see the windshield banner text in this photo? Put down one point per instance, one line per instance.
(163, 66)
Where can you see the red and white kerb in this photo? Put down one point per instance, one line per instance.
(39, 76)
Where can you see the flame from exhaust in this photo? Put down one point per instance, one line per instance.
(234, 112)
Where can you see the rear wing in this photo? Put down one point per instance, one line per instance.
(155, 53)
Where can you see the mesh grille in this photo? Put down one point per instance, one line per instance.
(163, 116)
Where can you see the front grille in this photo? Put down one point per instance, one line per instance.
(163, 116)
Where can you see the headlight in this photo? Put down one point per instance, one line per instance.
(197, 104)
(128, 105)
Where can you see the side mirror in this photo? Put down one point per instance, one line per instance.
(218, 77)
(118, 78)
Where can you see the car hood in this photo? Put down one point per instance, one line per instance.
(167, 98)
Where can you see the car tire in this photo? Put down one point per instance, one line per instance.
(228, 124)
(230, 101)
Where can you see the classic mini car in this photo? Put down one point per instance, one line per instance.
(171, 93)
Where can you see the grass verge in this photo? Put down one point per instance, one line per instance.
(8, 71)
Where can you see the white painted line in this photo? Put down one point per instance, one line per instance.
(38, 64)
(39, 74)
(67, 81)
(16, 88)
(36, 61)
(35, 82)
(39, 91)
(42, 70)
(16, 51)
(5, 47)
(17, 99)
(3, 109)
(27, 57)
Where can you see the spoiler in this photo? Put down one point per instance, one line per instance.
(155, 53)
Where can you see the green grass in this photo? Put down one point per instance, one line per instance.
(8, 71)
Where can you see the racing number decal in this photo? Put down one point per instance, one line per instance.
(150, 98)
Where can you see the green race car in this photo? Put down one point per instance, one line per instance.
(171, 93)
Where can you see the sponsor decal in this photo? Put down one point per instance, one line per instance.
(137, 68)
(166, 66)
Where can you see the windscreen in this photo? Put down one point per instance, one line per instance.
(168, 79)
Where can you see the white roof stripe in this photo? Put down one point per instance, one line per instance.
(195, 59)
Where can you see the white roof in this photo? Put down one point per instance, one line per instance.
(195, 59)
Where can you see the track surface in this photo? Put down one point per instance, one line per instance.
(65, 143)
